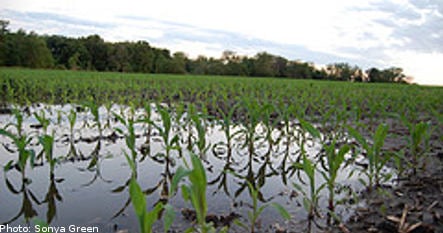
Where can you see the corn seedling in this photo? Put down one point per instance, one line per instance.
(165, 130)
(146, 218)
(47, 142)
(419, 135)
(129, 135)
(201, 134)
(256, 211)
(376, 158)
(311, 198)
(226, 124)
(21, 142)
(94, 108)
(195, 192)
(146, 119)
(42, 120)
(334, 162)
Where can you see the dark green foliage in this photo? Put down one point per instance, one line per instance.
(22, 49)
(93, 53)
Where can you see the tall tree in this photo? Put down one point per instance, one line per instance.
(98, 51)
(263, 65)
(119, 57)
(142, 57)
(4, 31)
(37, 54)
(298, 69)
(374, 75)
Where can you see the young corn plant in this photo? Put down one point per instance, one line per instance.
(335, 160)
(21, 142)
(226, 124)
(376, 158)
(43, 123)
(165, 130)
(289, 136)
(311, 198)
(42, 120)
(195, 192)
(146, 119)
(72, 118)
(256, 211)
(201, 142)
(130, 134)
(47, 142)
(270, 124)
(188, 124)
(419, 135)
(145, 218)
(253, 113)
(94, 108)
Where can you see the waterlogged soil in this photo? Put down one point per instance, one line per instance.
(89, 185)
(414, 205)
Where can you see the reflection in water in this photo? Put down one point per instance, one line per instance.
(51, 198)
(93, 172)
(27, 209)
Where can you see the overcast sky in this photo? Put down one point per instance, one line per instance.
(380, 33)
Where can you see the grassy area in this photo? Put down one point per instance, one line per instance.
(23, 86)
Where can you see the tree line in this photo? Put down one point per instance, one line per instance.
(93, 53)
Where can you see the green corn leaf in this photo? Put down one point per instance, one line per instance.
(297, 165)
(357, 136)
(240, 224)
(186, 192)
(198, 174)
(320, 188)
(120, 131)
(131, 163)
(308, 167)
(8, 166)
(260, 210)
(299, 188)
(32, 157)
(306, 204)
(281, 210)
(9, 135)
(310, 128)
(362, 181)
(169, 217)
(178, 176)
(138, 202)
(152, 216)
(380, 136)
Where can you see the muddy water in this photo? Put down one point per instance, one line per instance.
(96, 194)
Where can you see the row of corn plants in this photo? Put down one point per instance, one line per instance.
(334, 157)
(282, 118)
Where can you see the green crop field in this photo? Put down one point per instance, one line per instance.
(362, 100)
(305, 134)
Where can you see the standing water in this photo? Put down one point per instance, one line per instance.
(87, 182)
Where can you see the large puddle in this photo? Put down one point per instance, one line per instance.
(89, 185)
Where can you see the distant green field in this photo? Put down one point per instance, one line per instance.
(315, 98)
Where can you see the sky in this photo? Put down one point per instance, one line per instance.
(367, 33)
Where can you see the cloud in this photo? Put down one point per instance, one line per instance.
(363, 32)
(417, 24)
(52, 23)
(193, 40)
